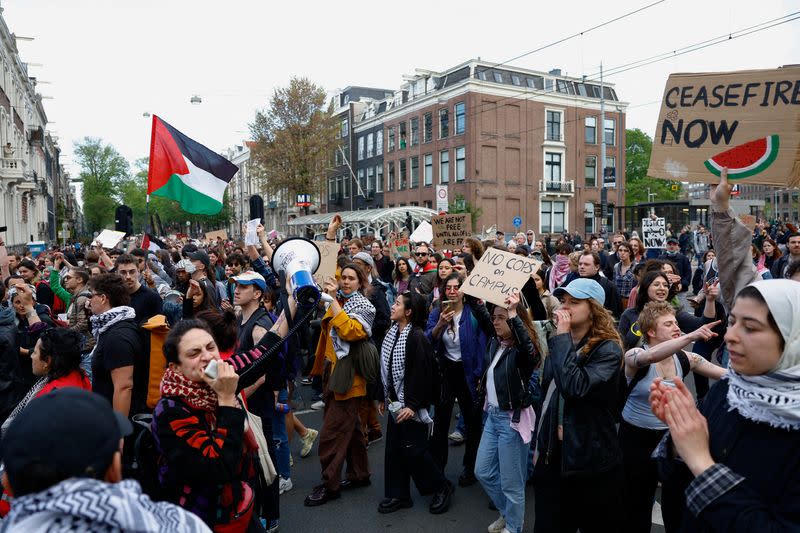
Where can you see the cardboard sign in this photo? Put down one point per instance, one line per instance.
(423, 233)
(748, 220)
(449, 231)
(109, 238)
(654, 232)
(213, 235)
(328, 253)
(400, 247)
(499, 274)
(746, 121)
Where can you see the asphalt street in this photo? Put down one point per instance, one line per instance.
(357, 510)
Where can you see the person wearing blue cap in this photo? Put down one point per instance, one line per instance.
(579, 458)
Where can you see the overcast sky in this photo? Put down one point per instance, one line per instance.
(109, 61)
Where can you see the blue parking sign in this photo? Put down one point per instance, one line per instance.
(517, 222)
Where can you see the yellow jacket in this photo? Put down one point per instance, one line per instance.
(348, 329)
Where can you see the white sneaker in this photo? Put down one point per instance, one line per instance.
(318, 405)
(498, 526)
(456, 436)
(285, 485)
(308, 442)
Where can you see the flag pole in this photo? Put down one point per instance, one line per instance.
(149, 174)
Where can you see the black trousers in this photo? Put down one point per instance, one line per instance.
(641, 475)
(567, 504)
(454, 387)
(407, 458)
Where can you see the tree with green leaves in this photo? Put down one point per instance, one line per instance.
(638, 146)
(294, 140)
(102, 169)
(460, 205)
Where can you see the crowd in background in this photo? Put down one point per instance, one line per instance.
(574, 385)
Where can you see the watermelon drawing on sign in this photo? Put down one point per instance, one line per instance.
(747, 159)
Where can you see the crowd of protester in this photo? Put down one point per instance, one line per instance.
(574, 386)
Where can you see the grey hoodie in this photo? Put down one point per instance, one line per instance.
(82, 504)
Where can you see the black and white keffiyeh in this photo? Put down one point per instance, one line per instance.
(357, 307)
(393, 351)
(103, 321)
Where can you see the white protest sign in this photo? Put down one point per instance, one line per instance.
(109, 238)
(654, 232)
(499, 274)
(250, 235)
(423, 233)
(328, 254)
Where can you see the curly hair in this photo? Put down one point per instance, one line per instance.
(603, 328)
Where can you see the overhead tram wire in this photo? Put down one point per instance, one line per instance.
(675, 53)
(578, 34)
(529, 94)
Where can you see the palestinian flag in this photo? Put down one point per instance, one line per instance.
(184, 170)
(151, 243)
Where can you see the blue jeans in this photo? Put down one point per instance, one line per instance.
(501, 467)
(281, 438)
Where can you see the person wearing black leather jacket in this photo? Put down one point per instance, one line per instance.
(502, 462)
(579, 455)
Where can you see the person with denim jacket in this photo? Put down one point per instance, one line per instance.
(501, 465)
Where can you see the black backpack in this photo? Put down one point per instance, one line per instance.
(145, 464)
(625, 388)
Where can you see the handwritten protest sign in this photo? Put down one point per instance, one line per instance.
(211, 236)
(109, 238)
(400, 247)
(499, 274)
(746, 121)
(654, 232)
(328, 253)
(449, 231)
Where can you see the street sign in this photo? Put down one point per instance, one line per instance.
(441, 198)
(303, 200)
(517, 222)
(735, 191)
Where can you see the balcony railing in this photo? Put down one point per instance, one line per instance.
(557, 187)
(11, 168)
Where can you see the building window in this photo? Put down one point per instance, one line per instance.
(461, 118)
(609, 131)
(379, 142)
(548, 85)
(331, 189)
(553, 125)
(461, 163)
(390, 176)
(590, 171)
(403, 135)
(402, 175)
(427, 125)
(428, 204)
(444, 166)
(337, 157)
(515, 79)
(552, 217)
(370, 145)
(390, 136)
(590, 131)
(345, 127)
(498, 77)
(444, 123)
(346, 186)
(362, 181)
(414, 172)
(360, 148)
(552, 166)
(428, 177)
(370, 179)
(588, 218)
(414, 131)
(379, 178)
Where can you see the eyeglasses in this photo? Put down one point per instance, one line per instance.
(421, 254)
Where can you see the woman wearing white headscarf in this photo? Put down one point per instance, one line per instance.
(739, 467)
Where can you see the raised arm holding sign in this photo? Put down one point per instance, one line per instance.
(499, 274)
